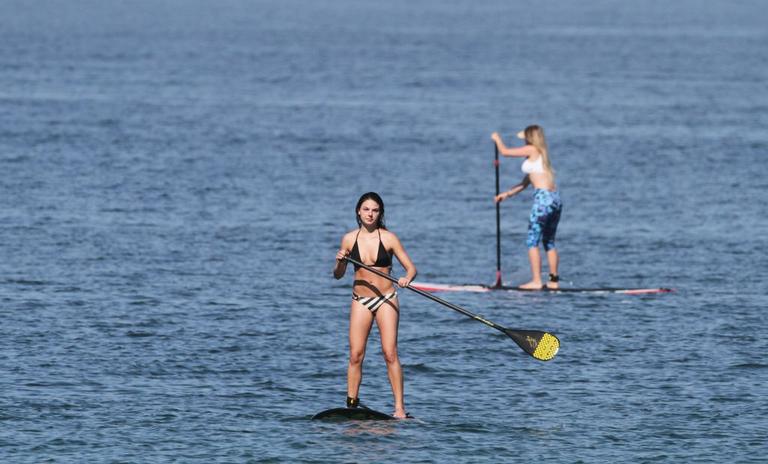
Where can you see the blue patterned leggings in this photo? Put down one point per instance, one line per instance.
(545, 215)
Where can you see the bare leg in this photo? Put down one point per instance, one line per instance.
(360, 323)
(554, 261)
(388, 318)
(535, 258)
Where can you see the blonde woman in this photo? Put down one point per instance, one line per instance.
(545, 214)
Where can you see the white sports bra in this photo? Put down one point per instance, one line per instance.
(533, 167)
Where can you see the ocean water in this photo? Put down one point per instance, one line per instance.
(177, 176)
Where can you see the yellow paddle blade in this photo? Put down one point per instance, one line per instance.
(541, 345)
(547, 347)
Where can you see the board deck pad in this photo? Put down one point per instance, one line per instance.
(432, 287)
(344, 414)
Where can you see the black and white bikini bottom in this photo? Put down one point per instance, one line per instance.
(373, 303)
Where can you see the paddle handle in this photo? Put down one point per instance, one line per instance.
(429, 295)
(498, 219)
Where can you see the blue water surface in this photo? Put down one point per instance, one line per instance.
(177, 176)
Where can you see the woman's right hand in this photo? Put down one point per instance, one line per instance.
(496, 137)
(340, 267)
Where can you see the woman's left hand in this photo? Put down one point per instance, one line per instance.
(500, 197)
(403, 282)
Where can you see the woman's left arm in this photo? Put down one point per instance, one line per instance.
(519, 152)
(405, 260)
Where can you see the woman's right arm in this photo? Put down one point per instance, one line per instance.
(341, 264)
(514, 190)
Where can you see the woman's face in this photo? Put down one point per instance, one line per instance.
(369, 212)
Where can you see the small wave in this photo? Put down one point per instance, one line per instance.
(16, 159)
(26, 282)
(139, 334)
(750, 366)
(419, 368)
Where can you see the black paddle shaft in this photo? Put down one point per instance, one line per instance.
(541, 345)
(498, 219)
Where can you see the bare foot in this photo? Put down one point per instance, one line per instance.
(532, 285)
(399, 414)
(553, 285)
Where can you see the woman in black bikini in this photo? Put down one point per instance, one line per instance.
(373, 297)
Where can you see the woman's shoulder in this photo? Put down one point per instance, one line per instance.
(388, 236)
(535, 154)
(349, 235)
(387, 233)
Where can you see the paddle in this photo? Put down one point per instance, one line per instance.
(498, 221)
(541, 345)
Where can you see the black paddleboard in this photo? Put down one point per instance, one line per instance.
(344, 414)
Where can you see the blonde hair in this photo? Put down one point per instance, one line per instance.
(534, 135)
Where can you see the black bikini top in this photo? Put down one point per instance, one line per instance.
(383, 258)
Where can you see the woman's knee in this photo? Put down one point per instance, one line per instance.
(390, 355)
(356, 356)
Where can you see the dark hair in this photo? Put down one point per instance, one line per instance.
(375, 197)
